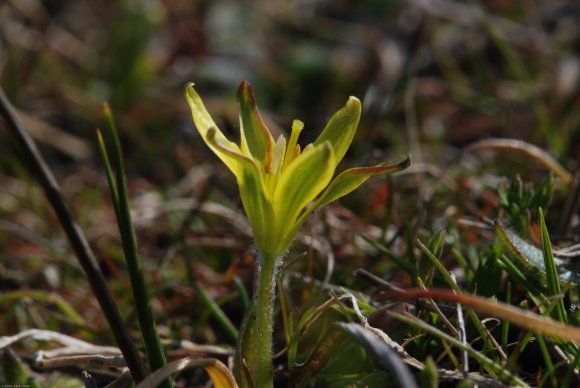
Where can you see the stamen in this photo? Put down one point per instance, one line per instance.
(296, 152)
(297, 127)
(279, 153)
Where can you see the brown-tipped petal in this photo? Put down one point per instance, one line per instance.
(351, 179)
(255, 136)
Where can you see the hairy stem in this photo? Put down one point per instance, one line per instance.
(254, 360)
(265, 296)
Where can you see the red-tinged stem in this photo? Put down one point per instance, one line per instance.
(523, 318)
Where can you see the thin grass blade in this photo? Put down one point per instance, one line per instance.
(134, 265)
(217, 313)
(552, 279)
(502, 373)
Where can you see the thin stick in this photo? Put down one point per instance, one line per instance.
(462, 334)
(85, 256)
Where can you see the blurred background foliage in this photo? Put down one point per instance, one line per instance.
(434, 76)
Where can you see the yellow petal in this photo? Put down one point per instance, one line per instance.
(304, 179)
(204, 123)
(255, 199)
(341, 128)
(279, 153)
(349, 180)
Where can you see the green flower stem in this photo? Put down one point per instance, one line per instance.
(264, 318)
(259, 352)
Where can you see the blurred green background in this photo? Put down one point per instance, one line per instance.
(429, 72)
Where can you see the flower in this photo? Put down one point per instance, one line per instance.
(277, 179)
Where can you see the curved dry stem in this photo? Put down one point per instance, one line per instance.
(536, 152)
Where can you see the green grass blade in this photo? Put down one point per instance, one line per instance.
(437, 264)
(486, 362)
(45, 297)
(243, 293)
(142, 302)
(430, 375)
(520, 279)
(488, 340)
(15, 375)
(400, 263)
(450, 355)
(551, 272)
(109, 172)
(217, 313)
(78, 241)
(516, 354)
(505, 325)
(547, 359)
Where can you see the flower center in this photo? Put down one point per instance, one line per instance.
(281, 156)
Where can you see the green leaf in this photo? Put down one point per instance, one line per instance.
(351, 179)
(386, 357)
(430, 375)
(527, 254)
(304, 179)
(341, 128)
(14, 371)
(204, 123)
(531, 257)
(255, 136)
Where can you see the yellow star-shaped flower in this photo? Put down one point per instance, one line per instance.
(277, 179)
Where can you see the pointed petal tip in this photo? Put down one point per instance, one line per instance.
(189, 90)
(106, 109)
(354, 102)
(245, 92)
